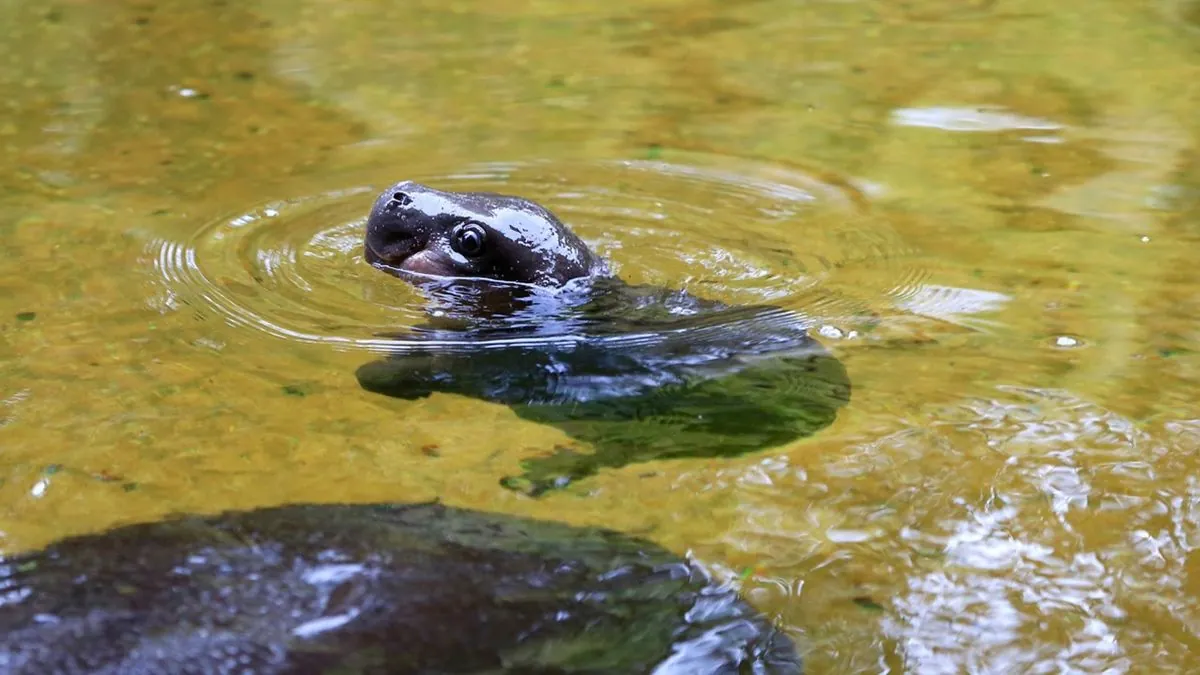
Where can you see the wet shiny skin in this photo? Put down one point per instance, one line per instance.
(412, 228)
(382, 588)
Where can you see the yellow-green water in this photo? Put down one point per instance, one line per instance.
(993, 207)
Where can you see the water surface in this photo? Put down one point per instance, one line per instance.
(988, 211)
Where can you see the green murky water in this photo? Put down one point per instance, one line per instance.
(992, 209)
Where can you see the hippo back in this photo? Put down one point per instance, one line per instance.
(371, 589)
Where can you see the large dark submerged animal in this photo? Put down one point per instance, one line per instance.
(372, 590)
(522, 313)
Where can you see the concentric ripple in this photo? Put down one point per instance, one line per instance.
(739, 232)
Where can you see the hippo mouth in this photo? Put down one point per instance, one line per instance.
(402, 258)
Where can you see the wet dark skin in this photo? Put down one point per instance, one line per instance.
(417, 229)
(530, 318)
(377, 589)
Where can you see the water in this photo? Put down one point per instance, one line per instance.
(294, 268)
(985, 210)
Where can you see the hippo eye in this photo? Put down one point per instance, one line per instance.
(468, 239)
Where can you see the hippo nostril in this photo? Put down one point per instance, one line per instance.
(401, 199)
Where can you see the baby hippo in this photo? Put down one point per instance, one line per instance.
(524, 314)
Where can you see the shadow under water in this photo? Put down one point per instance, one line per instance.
(378, 588)
(639, 373)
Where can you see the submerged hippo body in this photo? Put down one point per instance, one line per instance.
(525, 315)
(372, 590)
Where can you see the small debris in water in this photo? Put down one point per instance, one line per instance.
(26, 316)
(1067, 342)
(188, 92)
(431, 450)
(868, 604)
(835, 333)
(848, 536)
(296, 389)
(1145, 239)
(102, 476)
(270, 213)
(106, 476)
(208, 343)
(831, 332)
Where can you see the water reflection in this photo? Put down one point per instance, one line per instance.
(952, 304)
(1037, 551)
(971, 119)
(637, 373)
